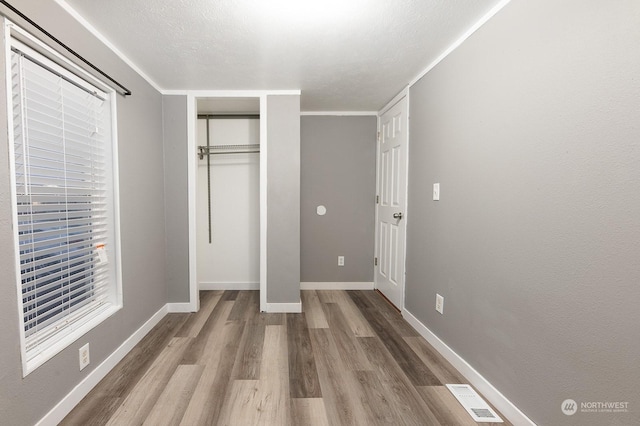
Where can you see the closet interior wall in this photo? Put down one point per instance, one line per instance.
(228, 218)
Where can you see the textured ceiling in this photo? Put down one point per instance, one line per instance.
(345, 55)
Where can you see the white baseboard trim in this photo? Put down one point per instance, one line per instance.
(336, 286)
(293, 308)
(173, 308)
(72, 399)
(506, 407)
(209, 285)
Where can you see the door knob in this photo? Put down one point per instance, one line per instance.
(397, 215)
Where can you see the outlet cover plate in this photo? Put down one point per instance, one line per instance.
(84, 356)
(439, 303)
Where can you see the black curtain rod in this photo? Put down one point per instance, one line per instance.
(126, 92)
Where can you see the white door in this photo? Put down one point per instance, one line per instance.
(392, 193)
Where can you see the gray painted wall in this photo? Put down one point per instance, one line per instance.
(174, 113)
(283, 199)
(532, 128)
(142, 226)
(338, 157)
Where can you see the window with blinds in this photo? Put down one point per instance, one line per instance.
(64, 203)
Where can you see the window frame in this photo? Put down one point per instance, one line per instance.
(16, 37)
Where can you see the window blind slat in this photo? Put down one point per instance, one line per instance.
(45, 252)
(57, 156)
(63, 318)
(60, 181)
(51, 190)
(43, 148)
(56, 300)
(48, 295)
(54, 201)
(46, 331)
(55, 161)
(37, 95)
(52, 282)
(54, 216)
(66, 293)
(61, 178)
(51, 140)
(31, 252)
(75, 243)
(39, 215)
(30, 273)
(56, 234)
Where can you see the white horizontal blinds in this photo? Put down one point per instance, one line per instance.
(62, 199)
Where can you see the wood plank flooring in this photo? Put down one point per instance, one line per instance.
(348, 359)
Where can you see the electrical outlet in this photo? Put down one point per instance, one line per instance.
(439, 303)
(84, 356)
(340, 260)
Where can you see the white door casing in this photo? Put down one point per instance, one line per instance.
(392, 202)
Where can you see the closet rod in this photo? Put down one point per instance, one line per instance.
(124, 91)
(227, 149)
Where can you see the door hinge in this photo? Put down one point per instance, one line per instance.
(378, 136)
(375, 261)
(377, 199)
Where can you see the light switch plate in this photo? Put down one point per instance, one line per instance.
(436, 192)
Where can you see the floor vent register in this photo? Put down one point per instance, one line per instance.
(479, 410)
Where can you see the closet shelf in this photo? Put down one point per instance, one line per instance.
(227, 149)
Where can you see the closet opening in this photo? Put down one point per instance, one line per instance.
(228, 246)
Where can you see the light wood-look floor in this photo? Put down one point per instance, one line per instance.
(348, 359)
